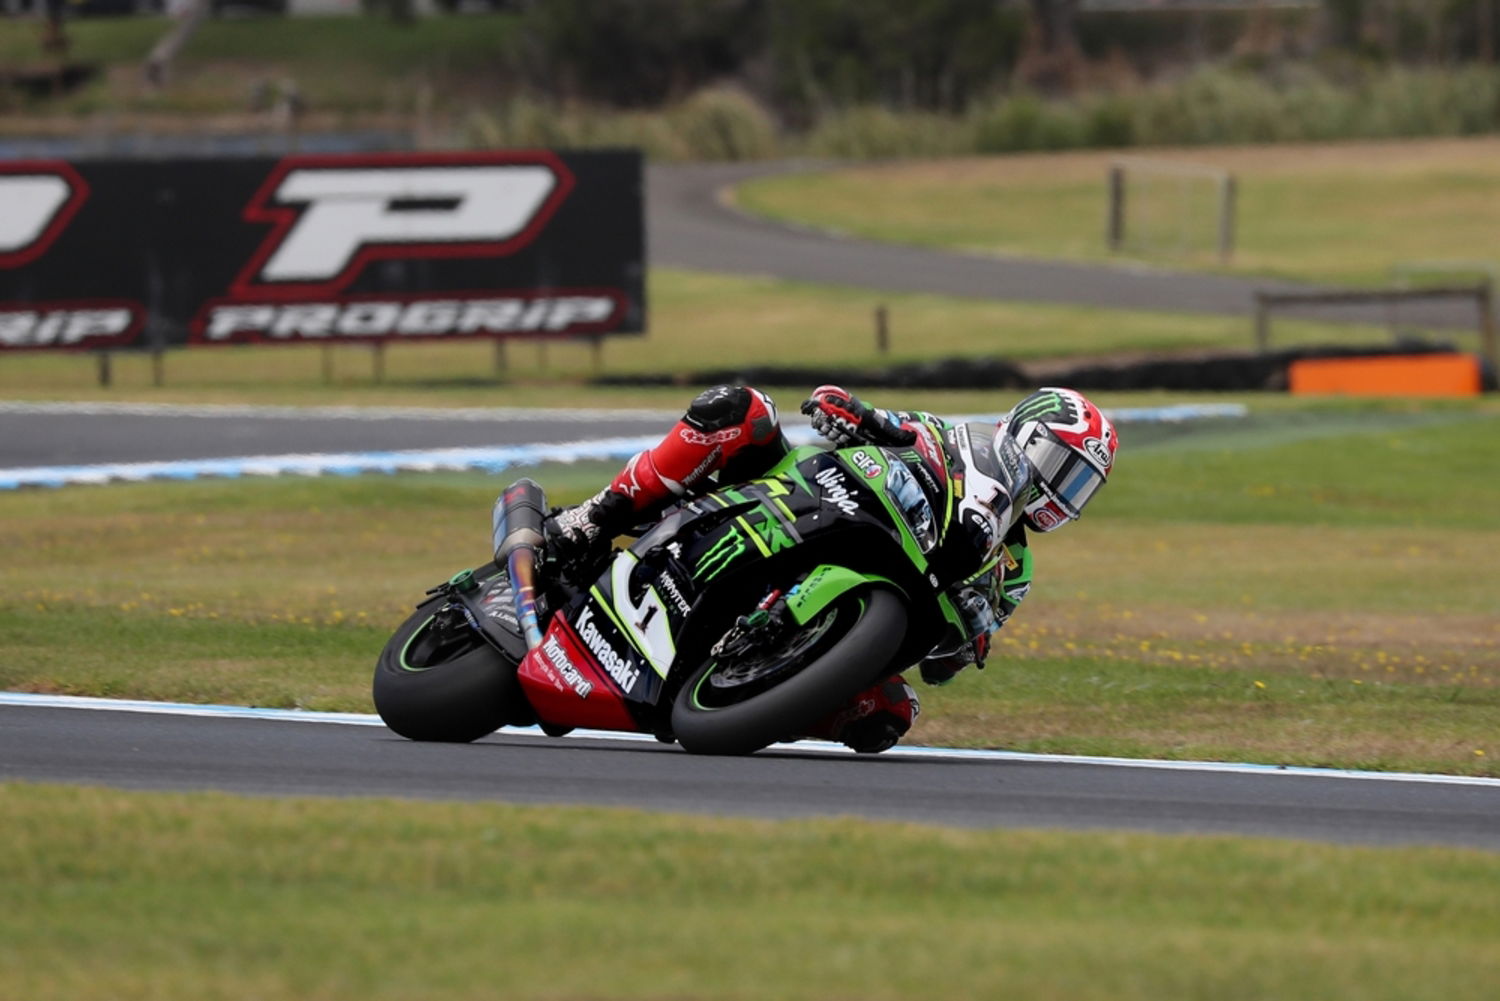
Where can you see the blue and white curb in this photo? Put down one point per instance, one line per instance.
(488, 460)
(28, 700)
(492, 460)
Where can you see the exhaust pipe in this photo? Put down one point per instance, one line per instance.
(516, 530)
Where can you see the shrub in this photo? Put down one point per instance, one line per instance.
(869, 132)
(1026, 122)
(723, 123)
(1214, 105)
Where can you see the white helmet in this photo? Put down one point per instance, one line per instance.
(1070, 445)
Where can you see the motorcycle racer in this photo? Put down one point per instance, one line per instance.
(1036, 468)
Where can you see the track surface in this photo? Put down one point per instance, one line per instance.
(64, 434)
(689, 226)
(267, 757)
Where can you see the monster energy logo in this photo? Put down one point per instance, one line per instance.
(771, 533)
(723, 553)
(1040, 405)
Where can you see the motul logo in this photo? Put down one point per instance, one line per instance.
(332, 217)
(36, 202)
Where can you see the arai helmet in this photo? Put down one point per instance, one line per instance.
(1070, 445)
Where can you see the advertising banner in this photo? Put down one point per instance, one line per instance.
(152, 254)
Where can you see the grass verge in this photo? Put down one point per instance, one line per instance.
(1343, 212)
(120, 896)
(1294, 590)
(698, 321)
(340, 65)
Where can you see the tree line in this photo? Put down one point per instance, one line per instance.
(802, 57)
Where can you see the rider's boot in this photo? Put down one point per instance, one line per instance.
(874, 720)
(580, 533)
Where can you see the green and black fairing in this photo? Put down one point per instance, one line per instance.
(820, 520)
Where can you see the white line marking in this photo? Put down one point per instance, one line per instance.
(26, 699)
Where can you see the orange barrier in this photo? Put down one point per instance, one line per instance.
(1388, 375)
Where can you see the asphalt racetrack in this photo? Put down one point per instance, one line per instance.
(147, 750)
(43, 434)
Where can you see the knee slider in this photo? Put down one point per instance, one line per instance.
(719, 408)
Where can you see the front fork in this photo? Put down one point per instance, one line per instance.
(765, 625)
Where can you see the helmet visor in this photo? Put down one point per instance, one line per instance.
(1063, 472)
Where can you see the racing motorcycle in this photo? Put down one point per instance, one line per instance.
(738, 620)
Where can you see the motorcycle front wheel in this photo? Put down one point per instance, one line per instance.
(742, 705)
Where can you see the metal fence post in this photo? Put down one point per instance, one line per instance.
(1262, 323)
(1228, 195)
(1487, 340)
(1115, 225)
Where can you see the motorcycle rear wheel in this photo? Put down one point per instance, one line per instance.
(853, 641)
(449, 688)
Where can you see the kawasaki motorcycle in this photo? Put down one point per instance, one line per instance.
(739, 619)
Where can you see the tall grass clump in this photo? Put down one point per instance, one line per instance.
(1026, 122)
(723, 123)
(528, 123)
(871, 132)
(1209, 106)
(1406, 102)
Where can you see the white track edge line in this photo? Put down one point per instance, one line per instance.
(37, 701)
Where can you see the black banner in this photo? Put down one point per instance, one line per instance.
(328, 249)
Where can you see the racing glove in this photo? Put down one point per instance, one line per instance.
(840, 416)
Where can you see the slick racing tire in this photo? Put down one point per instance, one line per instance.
(844, 649)
(454, 688)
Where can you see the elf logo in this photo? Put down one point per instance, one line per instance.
(37, 200)
(332, 215)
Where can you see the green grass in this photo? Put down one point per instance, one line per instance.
(341, 65)
(122, 896)
(699, 321)
(106, 40)
(1283, 590)
(1335, 213)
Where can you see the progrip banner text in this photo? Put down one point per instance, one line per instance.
(149, 254)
